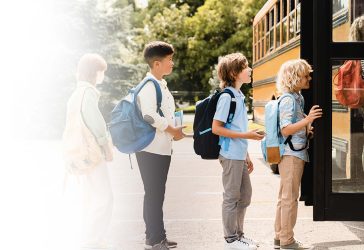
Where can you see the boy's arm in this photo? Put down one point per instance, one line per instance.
(93, 118)
(287, 127)
(147, 100)
(95, 122)
(219, 129)
(221, 115)
(294, 128)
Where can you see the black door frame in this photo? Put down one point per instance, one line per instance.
(318, 49)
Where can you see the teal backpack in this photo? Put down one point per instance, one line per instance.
(274, 143)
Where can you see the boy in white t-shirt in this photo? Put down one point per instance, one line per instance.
(155, 159)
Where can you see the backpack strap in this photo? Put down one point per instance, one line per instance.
(139, 87)
(294, 119)
(232, 105)
(225, 141)
(294, 114)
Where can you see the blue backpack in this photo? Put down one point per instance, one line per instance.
(274, 143)
(130, 133)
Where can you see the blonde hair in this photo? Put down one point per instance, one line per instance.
(88, 66)
(229, 67)
(357, 29)
(290, 74)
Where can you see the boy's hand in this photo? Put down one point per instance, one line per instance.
(315, 112)
(254, 135)
(249, 165)
(178, 133)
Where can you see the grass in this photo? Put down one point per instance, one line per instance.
(189, 109)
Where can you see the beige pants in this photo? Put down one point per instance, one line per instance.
(290, 169)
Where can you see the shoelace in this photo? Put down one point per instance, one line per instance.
(248, 239)
(164, 243)
(245, 243)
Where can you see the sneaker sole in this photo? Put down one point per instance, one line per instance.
(148, 247)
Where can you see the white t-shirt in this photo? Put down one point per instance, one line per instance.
(147, 101)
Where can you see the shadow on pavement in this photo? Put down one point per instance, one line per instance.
(357, 228)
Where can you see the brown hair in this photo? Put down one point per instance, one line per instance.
(357, 29)
(88, 66)
(229, 67)
(157, 50)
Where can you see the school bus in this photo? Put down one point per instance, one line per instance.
(276, 39)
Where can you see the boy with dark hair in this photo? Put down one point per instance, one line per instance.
(155, 159)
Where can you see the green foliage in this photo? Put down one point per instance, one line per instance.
(200, 35)
(200, 31)
(97, 26)
(189, 109)
(104, 27)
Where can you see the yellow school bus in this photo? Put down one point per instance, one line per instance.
(276, 39)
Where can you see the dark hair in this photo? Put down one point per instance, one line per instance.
(229, 67)
(88, 66)
(157, 50)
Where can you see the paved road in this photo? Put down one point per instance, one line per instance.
(193, 206)
(38, 216)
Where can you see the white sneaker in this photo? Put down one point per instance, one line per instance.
(239, 245)
(249, 241)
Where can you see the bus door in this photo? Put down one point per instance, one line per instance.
(338, 77)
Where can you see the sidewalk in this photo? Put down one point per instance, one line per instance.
(193, 206)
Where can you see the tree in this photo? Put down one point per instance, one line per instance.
(99, 26)
(215, 28)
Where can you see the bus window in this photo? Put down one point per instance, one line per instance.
(291, 26)
(278, 12)
(357, 8)
(284, 8)
(271, 29)
(261, 35)
(339, 6)
(255, 34)
(292, 5)
(266, 34)
(344, 12)
(284, 30)
(347, 133)
(256, 39)
(292, 20)
(284, 21)
(298, 17)
(278, 25)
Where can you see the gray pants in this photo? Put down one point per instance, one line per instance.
(237, 197)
